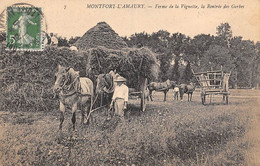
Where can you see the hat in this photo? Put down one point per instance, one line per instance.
(120, 79)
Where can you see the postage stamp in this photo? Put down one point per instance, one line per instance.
(24, 29)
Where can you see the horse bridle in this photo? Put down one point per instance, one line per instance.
(62, 88)
(107, 84)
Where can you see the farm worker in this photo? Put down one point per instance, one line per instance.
(54, 40)
(176, 92)
(120, 96)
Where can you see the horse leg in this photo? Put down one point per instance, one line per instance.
(84, 104)
(73, 119)
(82, 110)
(181, 96)
(62, 110)
(188, 96)
(150, 94)
(88, 106)
(165, 94)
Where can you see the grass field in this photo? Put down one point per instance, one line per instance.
(167, 133)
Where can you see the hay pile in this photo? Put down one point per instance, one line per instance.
(27, 78)
(128, 62)
(101, 35)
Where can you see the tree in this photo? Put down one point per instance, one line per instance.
(224, 34)
(187, 75)
(197, 47)
(178, 44)
(175, 71)
(159, 44)
(138, 38)
(216, 57)
(62, 42)
(246, 61)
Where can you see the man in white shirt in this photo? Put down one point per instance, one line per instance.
(120, 96)
(176, 92)
(54, 40)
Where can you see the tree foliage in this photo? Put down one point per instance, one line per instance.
(202, 53)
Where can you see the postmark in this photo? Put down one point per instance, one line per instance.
(24, 29)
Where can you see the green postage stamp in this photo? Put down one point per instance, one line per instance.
(24, 29)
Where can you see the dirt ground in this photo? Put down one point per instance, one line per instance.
(167, 133)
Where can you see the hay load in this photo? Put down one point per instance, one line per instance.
(101, 35)
(131, 63)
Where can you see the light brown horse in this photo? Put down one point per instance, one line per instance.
(161, 86)
(73, 92)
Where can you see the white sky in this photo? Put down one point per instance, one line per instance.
(76, 18)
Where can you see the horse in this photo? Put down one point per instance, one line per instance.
(105, 86)
(73, 92)
(161, 86)
(189, 89)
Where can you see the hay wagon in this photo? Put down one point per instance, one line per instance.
(137, 65)
(213, 83)
(141, 91)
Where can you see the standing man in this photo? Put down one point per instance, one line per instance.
(120, 96)
(54, 40)
(176, 92)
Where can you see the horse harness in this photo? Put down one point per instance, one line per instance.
(111, 87)
(65, 87)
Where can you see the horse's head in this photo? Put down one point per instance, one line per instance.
(62, 77)
(104, 83)
(173, 84)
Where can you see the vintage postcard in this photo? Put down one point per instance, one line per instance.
(130, 82)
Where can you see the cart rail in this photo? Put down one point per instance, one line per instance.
(214, 82)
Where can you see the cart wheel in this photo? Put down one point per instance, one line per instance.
(143, 95)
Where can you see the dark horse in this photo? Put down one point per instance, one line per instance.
(74, 92)
(105, 87)
(161, 86)
(184, 88)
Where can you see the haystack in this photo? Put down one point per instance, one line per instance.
(101, 35)
(131, 63)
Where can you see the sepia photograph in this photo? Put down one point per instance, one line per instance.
(130, 82)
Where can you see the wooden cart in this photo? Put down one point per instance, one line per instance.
(141, 91)
(213, 83)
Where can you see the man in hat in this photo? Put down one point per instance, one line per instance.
(120, 96)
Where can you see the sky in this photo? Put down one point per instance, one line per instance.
(73, 18)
